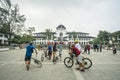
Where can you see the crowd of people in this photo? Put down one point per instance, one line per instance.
(74, 48)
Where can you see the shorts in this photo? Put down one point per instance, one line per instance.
(54, 53)
(60, 52)
(80, 58)
(27, 58)
(49, 52)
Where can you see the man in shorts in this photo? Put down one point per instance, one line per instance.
(77, 52)
(49, 50)
(29, 51)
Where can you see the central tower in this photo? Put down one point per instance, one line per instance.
(60, 33)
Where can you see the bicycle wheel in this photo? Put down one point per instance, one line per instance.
(39, 64)
(87, 63)
(68, 62)
(42, 58)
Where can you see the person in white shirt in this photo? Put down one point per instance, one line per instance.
(78, 46)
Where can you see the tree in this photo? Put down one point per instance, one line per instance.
(104, 37)
(73, 35)
(48, 34)
(22, 39)
(115, 36)
(11, 22)
(96, 41)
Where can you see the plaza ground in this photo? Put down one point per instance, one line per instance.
(106, 66)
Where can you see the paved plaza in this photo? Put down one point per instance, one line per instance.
(106, 66)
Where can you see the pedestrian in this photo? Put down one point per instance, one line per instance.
(54, 51)
(85, 49)
(88, 48)
(49, 50)
(114, 49)
(29, 50)
(69, 46)
(60, 50)
(100, 47)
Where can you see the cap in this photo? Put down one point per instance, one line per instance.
(76, 41)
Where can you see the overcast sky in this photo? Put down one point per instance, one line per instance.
(87, 16)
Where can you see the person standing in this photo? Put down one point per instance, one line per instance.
(60, 50)
(88, 48)
(54, 51)
(29, 50)
(69, 46)
(49, 50)
(100, 47)
(114, 49)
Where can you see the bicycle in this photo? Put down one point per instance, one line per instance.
(69, 61)
(44, 54)
(36, 61)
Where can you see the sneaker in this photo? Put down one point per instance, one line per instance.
(77, 68)
(27, 68)
(82, 70)
(76, 63)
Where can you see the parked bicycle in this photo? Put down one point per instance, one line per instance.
(69, 61)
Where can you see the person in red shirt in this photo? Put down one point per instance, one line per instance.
(77, 53)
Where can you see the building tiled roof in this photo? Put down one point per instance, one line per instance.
(44, 33)
(39, 36)
(86, 37)
(77, 33)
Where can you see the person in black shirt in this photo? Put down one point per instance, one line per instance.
(54, 50)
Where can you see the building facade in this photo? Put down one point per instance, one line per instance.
(62, 35)
(4, 38)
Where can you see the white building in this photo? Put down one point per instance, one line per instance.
(61, 34)
(4, 38)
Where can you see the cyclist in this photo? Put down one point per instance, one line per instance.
(78, 46)
(29, 51)
(77, 52)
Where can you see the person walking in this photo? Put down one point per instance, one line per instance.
(29, 50)
(60, 50)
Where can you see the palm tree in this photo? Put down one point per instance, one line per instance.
(48, 34)
(73, 35)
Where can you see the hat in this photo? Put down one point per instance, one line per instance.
(76, 41)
